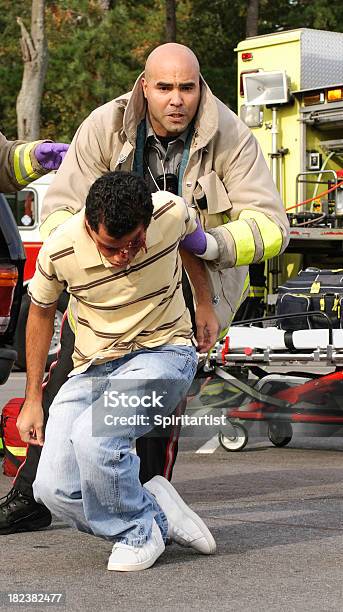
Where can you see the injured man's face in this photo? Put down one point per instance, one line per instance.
(119, 251)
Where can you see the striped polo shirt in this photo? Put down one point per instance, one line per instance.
(119, 310)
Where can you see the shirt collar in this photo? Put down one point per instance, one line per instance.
(86, 251)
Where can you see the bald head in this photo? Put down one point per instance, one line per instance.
(171, 54)
(171, 86)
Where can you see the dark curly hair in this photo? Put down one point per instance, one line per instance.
(120, 201)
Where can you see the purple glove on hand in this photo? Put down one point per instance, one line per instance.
(50, 154)
(196, 242)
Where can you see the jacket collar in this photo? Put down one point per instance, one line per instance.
(206, 120)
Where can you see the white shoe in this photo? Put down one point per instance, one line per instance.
(184, 526)
(125, 558)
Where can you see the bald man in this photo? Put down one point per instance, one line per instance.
(174, 132)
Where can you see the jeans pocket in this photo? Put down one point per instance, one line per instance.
(185, 360)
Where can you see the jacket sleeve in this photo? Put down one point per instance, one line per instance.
(83, 164)
(18, 165)
(257, 227)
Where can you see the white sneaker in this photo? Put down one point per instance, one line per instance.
(184, 526)
(125, 558)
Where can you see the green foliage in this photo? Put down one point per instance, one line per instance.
(95, 55)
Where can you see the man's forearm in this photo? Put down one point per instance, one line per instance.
(39, 330)
(196, 271)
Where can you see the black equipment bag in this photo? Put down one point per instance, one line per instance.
(312, 289)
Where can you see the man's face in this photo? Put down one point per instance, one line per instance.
(118, 251)
(172, 91)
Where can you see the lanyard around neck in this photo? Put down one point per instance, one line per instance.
(138, 163)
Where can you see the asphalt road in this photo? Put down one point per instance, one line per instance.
(276, 514)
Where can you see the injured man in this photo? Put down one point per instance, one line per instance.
(134, 358)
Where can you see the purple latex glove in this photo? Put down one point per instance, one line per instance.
(196, 242)
(50, 154)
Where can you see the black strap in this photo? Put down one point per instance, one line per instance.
(16, 462)
(288, 339)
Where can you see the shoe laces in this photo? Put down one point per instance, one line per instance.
(8, 501)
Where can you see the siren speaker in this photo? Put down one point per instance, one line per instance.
(266, 88)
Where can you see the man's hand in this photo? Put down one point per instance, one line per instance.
(207, 327)
(30, 423)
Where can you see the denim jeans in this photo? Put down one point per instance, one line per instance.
(92, 481)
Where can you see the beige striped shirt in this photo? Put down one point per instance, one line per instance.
(119, 310)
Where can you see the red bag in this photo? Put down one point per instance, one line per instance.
(14, 448)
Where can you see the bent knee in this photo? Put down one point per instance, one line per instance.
(46, 492)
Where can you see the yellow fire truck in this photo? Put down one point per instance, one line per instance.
(290, 93)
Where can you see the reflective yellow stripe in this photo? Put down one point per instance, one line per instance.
(71, 318)
(270, 232)
(52, 221)
(212, 389)
(256, 292)
(244, 241)
(23, 169)
(19, 451)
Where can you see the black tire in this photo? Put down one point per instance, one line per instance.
(19, 340)
(234, 444)
(280, 434)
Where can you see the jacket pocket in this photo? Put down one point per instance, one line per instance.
(214, 192)
(227, 292)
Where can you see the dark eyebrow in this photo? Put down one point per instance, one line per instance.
(163, 84)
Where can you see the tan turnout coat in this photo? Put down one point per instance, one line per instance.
(242, 208)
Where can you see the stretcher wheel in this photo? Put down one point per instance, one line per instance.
(237, 441)
(280, 434)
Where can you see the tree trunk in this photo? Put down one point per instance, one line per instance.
(252, 18)
(106, 5)
(171, 20)
(35, 58)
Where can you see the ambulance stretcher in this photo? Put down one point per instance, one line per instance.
(294, 396)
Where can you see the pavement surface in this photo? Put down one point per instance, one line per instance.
(276, 514)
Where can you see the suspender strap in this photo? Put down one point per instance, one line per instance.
(138, 161)
(184, 160)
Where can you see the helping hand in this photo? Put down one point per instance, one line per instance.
(50, 154)
(196, 242)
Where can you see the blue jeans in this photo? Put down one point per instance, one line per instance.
(92, 481)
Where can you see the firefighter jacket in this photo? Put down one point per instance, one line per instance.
(18, 165)
(225, 177)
